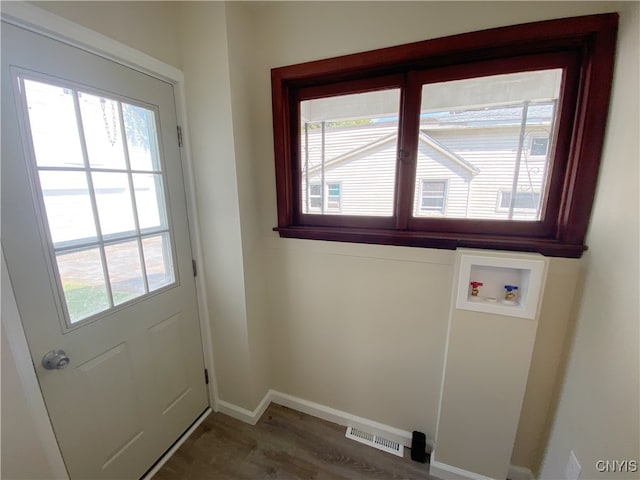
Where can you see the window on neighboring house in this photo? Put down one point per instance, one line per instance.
(315, 196)
(509, 110)
(332, 194)
(539, 146)
(433, 196)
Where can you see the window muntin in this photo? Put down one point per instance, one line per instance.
(99, 177)
(582, 47)
(349, 140)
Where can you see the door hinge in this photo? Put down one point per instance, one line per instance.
(206, 376)
(179, 135)
(195, 268)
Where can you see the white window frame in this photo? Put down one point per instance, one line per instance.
(101, 241)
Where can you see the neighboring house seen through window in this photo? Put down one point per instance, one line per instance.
(498, 113)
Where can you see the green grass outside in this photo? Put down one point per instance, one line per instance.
(86, 300)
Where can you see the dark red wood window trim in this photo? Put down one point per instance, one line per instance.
(583, 46)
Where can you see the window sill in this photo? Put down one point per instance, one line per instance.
(449, 241)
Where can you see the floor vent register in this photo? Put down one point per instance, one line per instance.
(375, 441)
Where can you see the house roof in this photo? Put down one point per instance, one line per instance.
(511, 115)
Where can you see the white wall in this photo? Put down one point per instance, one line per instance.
(147, 26)
(597, 415)
(241, 73)
(205, 59)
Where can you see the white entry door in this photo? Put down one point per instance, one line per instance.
(95, 234)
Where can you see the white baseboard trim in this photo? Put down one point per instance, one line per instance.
(449, 472)
(317, 410)
(242, 414)
(517, 472)
(169, 453)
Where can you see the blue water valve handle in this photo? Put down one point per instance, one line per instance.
(510, 288)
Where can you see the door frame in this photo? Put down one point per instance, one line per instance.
(37, 20)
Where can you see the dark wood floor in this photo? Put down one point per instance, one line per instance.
(285, 444)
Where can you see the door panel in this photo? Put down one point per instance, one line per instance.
(119, 296)
(168, 355)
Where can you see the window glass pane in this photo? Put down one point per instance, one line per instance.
(350, 140)
(83, 283)
(157, 260)
(125, 271)
(68, 206)
(113, 197)
(150, 200)
(484, 135)
(140, 129)
(54, 129)
(101, 123)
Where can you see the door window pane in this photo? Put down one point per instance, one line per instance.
(149, 200)
(83, 283)
(125, 271)
(102, 133)
(349, 141)
(68, 205)
(488, 135)
(113, 197)
(142, 143)
(52, 118)
(157, 260)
